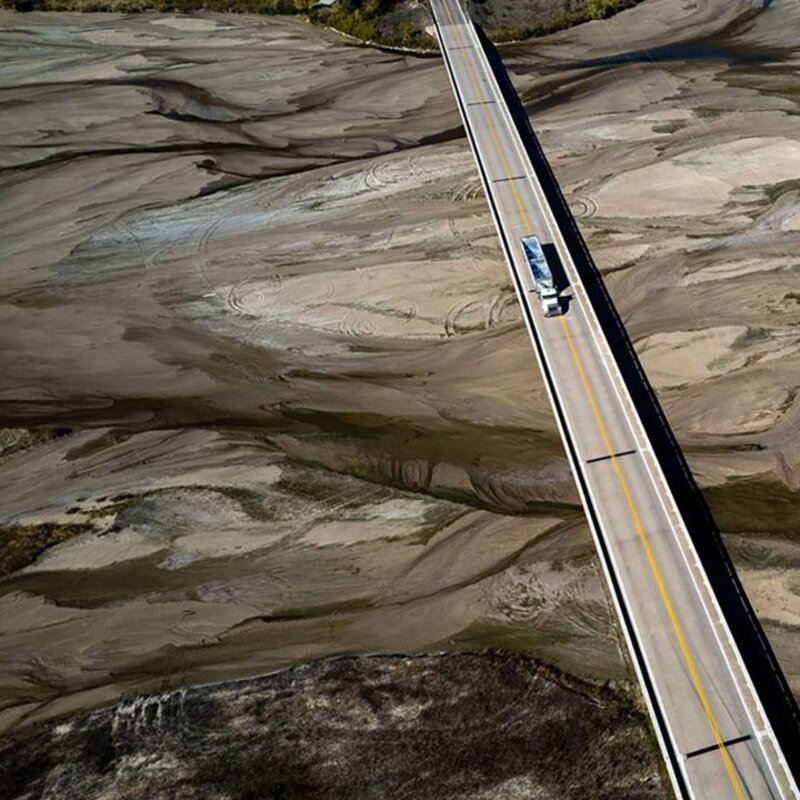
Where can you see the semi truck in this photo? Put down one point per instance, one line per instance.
(542, 276)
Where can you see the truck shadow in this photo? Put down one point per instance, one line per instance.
(757, 653)
(560, 278)
(556, 267)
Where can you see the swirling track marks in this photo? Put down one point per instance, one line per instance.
(126, 229)
(388, 241)
(329, 293)
(471, 190)
(453, 325)
(498, 307)
(250, 295)
(384, 174)
(583, 207)
(356, 324)
(234, 300)
(201, 259)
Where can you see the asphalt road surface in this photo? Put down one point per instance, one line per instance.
(716, 740)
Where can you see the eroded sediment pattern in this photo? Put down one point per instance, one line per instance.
(248, 269)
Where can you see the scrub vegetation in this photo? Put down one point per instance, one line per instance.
(387, 22)
(466, 726)
(548, 16)
(21, 545)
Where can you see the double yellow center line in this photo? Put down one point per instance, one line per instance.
(637, 522)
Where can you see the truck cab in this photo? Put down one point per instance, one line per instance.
(551, 305)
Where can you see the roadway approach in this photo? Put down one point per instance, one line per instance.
(714, 734)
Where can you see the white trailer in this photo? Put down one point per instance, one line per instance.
(542, 276)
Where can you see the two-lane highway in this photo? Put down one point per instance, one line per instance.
(715, 737)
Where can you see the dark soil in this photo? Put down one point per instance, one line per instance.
(450, 726)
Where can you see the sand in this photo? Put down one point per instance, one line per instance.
(682, 357)
(709, 176)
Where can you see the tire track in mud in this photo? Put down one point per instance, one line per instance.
(238, 295)
(243, 300)
(383, 174)
(386, 173)
(201, 257)
(355, 325)
(251, 301)
(452, 325)
(233, 299)
(583, 207)
(127, 230)
(497, 309)
(355, 322)
(471, 190)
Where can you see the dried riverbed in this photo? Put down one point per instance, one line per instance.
(249, 275)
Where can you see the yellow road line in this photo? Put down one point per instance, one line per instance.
(676, 626)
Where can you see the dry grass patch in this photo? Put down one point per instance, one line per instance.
(21, 545)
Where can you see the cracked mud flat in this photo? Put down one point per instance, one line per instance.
(250, 268)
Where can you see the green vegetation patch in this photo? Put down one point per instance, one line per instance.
(355, 17)
(386, 22)
(557, 15)
(396, 23)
